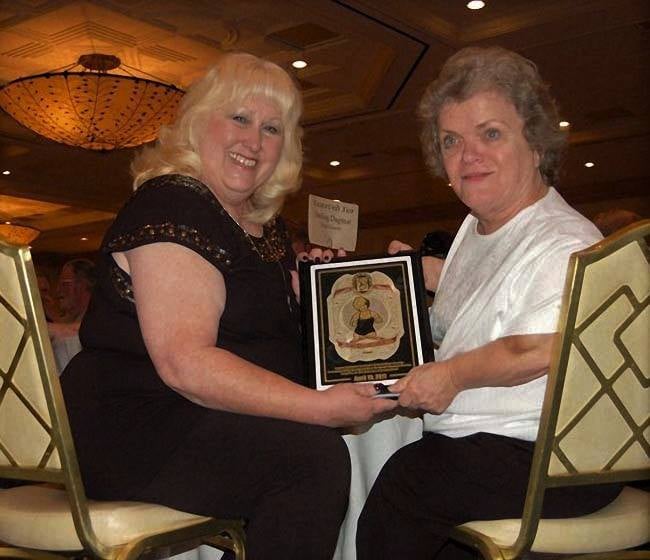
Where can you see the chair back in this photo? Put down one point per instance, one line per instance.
(596, 413)
(35, 439)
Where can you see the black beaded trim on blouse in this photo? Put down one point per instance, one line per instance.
(122, 283)
(271, 247)
(177, 233)
(181, 234)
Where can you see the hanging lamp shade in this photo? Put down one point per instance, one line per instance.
(94, 108)
(17, 234)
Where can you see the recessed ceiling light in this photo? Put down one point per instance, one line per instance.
(6, 172)
(84, 239)
(564, 124)
(8, 222)
(335, 163)
(476, 4)
(299, 64)
(589, 164)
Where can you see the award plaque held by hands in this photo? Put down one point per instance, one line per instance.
(364, 320)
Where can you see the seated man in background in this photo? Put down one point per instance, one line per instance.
(76, 283)
(50, 303)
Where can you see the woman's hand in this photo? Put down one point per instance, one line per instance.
(431, 266)
(429, 387)
(397, 246)
(317, 255)
(352, 404)
(505, 362)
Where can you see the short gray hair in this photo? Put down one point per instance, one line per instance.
(475, 69)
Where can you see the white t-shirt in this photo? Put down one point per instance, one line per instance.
(509, 282)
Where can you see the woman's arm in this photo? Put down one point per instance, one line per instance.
(505, 362)
(179, 307)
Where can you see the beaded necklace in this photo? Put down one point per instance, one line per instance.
(269, 252)
(269, 247)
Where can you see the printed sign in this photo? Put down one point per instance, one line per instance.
(333, 223)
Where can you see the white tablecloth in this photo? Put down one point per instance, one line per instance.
(368, 452)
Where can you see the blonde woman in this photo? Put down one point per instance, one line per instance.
(188, 391)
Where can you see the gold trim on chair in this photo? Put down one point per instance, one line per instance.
(596, 414)
(36, 520)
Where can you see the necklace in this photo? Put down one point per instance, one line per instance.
(270, 248)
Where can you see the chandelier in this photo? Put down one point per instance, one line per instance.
(17, 234)
(92, 108)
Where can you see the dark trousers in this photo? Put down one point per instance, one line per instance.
(289, 481)
(436, 483)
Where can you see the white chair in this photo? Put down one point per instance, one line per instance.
(55, 520)
(595, 422)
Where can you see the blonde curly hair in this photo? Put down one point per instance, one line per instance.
(234, 78)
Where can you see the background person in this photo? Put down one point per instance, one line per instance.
(50, 303)
(435, 244)
(300, 241)
(184, 393)
(75, 285)
(74, 288)
(490, 129)
(610, 221)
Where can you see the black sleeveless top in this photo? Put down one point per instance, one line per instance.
(121, 413)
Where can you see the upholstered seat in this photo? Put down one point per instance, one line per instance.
(614, 527)
(39, 517)
(596, 412)
(39, 520)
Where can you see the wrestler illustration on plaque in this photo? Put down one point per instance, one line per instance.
(365, 317)
(365, 320)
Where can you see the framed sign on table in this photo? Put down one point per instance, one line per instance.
(364, 320)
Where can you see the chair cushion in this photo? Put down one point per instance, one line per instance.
(625, 523)
(39, 517)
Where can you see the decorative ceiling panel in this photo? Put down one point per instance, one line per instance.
(369, 62)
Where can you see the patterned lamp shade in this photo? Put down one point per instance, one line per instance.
(16, 234)
(92, 109)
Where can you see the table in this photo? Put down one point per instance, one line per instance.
(368, 452)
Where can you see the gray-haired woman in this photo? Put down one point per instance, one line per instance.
(490, 128)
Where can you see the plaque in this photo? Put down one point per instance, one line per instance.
(364, 320)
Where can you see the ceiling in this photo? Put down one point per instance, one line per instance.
(369, 61)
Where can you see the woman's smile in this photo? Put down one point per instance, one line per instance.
(242, 160)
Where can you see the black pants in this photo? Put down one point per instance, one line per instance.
(289, 481)
(436, 483)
